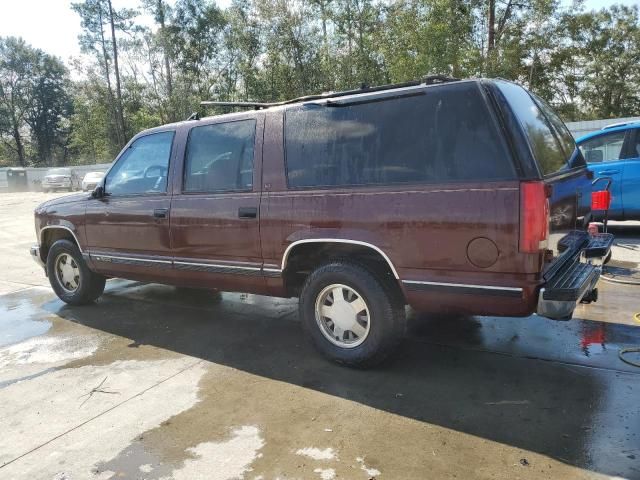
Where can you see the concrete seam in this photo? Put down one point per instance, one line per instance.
(100, 414)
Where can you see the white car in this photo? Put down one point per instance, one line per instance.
(91, 180)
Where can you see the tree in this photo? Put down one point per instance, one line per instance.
(50, 109)
(98, 17)
(17, 61)
(34, 103)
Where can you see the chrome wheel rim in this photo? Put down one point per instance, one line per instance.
(342, 315)
(67, 272)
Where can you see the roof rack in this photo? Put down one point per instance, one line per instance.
(428, 80)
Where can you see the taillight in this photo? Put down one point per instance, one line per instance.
(601, 200)
(534, 217)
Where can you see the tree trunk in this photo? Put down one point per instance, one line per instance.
(491, 40)
(116, 68)
(107, 75)
(167, 62)
(19, 147)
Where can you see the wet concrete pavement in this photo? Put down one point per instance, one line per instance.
(154, 382)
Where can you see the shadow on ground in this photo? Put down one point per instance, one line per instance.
(558, 389)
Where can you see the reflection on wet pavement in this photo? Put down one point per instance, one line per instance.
(474, 388)
(19, 320)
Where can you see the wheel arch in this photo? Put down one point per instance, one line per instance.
(293, 245)
(303, 256)
(52, 233)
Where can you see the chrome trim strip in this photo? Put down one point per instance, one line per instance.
(216, 265)
(337, 240)
(464, 285)
(213, 267)
(64, 228)
(98, 256)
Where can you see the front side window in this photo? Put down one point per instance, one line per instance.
(143, 167)
(220, 157)
(603, 148)
(440, 134)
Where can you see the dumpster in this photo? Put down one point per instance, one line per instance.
(17, 180)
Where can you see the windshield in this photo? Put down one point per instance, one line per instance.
(59, 171)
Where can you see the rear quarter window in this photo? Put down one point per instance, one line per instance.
(443, 133)
(551, 142)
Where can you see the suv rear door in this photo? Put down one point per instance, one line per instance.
(215, 235)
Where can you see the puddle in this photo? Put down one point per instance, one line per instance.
(19, 321)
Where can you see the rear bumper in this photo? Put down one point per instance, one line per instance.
(562, 309)
(567, 284)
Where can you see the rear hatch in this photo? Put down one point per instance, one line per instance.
(553, 157)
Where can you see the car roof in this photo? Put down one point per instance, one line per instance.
(606, 131)
(336, 97)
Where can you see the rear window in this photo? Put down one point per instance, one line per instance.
(220, 157)
(552, 150)
(445, 134)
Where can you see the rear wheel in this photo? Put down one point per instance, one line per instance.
(69, 275)
(352, 316)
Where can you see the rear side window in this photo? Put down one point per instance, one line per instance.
(445, 134)
(220, 157)
(547, 148)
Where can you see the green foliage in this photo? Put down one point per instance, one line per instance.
(34, 105)
(135, 75)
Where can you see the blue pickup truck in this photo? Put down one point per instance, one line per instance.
(614, 152)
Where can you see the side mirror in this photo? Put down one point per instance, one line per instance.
(98, 192)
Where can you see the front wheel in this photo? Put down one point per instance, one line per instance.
(69, 275)
(352, 316)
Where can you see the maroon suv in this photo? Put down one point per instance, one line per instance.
(453, 197)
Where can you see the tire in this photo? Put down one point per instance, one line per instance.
(88, 285)
(385, 324)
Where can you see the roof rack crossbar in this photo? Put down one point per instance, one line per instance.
(235, 104)
(428, 80)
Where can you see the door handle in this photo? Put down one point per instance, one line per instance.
(248, 212)
(608, 172)
(160, 212)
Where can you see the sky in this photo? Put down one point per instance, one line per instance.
(52, 26)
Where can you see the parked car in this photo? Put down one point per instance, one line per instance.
(614, 152)
(61, 179)
(91, 180)
(433, 195)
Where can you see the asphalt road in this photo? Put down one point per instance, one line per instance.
(158, 383)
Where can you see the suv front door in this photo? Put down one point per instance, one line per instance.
(631, 177)
(128, 228)
(215, 211)
(604, 156)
